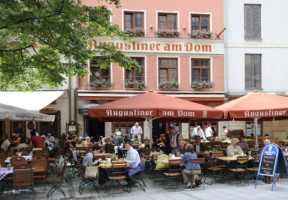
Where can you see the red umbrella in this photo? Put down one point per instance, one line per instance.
(152, 105)
(256, 105)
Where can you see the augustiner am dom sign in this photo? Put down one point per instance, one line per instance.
(163, 45)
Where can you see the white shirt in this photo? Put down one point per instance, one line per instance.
(200, 133)
(51, 138)
(133, 158)
(5, 145)
(231, 150)
(197, 148)
(136, 131)
(209, 132)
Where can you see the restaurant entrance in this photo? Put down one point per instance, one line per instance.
(163, 127)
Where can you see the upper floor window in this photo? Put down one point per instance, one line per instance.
(252, 21)
(253, 71)
(167, 21)
(200, 70)
(200, 22)
(168, 70)
(133, 20)
(98, 73)
(133, 74)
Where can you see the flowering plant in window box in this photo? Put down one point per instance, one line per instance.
(167, 33)
(197, 86)
(169, 86)
(199, 34)
(100, 84)
(135, 84)
(135, 32)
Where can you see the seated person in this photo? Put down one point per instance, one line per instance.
(180, 149)
(88, 160)
(6, 143)
(198, 146)
(36, 141)
(233, 147)
(134, 162)
(244, 145)
(164, 144)
(190, 169)
(100, 140)
(22, 144)
(119, 137)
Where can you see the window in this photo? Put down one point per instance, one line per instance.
(252, 21)
(134, 75)
(98, 73)
(252, 71)
(133, 20)
(167, 21)
(200, 70)
(168, 70)
(200, 22)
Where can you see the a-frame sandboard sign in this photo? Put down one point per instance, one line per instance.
(272, 161)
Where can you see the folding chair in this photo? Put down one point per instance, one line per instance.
(174, 172)
(201, 162)
(214, 170)
(56, 182)
(240, 169)
(118, 174)
(17, 161)
(88, 180)
(23, 177)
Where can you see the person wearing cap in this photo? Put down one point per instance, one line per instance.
(136, 130)
(208, 132)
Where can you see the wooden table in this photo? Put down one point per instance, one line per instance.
(228, 159)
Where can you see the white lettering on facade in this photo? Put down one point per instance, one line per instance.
(269, 113)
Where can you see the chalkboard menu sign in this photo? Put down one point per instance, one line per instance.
(267, 165)
(271, 160)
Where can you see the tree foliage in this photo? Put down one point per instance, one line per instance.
(36, 34)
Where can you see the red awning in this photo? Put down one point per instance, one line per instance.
(256, 105)
(152, 105)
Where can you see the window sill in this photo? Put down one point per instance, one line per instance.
(135, 88)
(253, 39)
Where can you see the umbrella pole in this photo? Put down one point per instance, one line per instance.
(256, 130)
(150, 120)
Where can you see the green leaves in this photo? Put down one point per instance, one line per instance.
(42, 42)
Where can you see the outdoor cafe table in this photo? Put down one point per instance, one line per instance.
(27, 158)
(229, 158)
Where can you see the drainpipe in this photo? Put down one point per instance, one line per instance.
(69, 94)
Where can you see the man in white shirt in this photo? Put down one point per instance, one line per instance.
(198, 131)
(6, 143)
(133, 160)
(136, 131)
(208, 131)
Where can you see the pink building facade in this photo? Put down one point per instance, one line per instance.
(173, 57)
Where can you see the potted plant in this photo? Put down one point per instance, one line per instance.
(167, 33)
(135, 32)
(135, 84)
(100, 84)
(197, 86)
(113, 158)
(169, 85)
(199, 34)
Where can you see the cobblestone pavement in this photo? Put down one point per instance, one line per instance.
(155, 191)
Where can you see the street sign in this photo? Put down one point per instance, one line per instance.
(272, 160)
